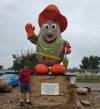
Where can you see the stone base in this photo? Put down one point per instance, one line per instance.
(67, 93)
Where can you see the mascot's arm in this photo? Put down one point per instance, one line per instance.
(30, 33)
(67, 47)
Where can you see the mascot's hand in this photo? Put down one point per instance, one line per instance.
(68, 50)
(67, 47)
(30, 30)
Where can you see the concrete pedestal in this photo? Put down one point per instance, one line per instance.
(66, 97)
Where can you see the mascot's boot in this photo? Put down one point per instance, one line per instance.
(58, 69)
(41, 69)
(44, 69)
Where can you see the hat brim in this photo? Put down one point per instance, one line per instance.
(59, 18)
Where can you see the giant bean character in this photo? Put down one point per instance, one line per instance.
(50, 46)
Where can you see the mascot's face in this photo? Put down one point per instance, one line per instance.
(50, 30)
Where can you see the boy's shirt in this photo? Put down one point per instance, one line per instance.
(24, 75)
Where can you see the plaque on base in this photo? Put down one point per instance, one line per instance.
(49, 88)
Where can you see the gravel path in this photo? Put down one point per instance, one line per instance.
(10, 100)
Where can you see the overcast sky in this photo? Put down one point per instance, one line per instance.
(83, 31)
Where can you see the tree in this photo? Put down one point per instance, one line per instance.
(85, 63)
(27, 59)
(91, 62)
(94, 62)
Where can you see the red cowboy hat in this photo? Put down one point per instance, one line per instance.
(51, 12)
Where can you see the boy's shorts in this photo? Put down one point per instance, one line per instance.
(24, 87)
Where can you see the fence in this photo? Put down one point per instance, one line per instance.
(86, 75)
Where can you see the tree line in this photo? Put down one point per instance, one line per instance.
(91, 62)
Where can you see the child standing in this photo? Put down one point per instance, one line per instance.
(24, 81)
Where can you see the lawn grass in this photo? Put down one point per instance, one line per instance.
(88, 78)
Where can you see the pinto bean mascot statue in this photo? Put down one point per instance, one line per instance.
(50, 46)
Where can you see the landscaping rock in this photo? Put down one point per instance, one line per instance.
(5, 87)
(82, 90)
(85, 102)
(89, 89)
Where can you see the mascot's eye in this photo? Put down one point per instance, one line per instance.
(53, 26)
(46, 26)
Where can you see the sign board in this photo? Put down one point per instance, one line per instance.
(49, 88)
(73, 80)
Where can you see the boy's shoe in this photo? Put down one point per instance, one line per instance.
(21, 103)
(28, 102)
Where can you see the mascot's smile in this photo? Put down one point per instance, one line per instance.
(49, 35)
(50, 38)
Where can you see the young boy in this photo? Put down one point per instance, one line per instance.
(24, 83)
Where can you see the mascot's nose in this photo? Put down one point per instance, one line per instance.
(49, 31)
(49, 35)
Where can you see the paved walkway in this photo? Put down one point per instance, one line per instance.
(93, 86)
